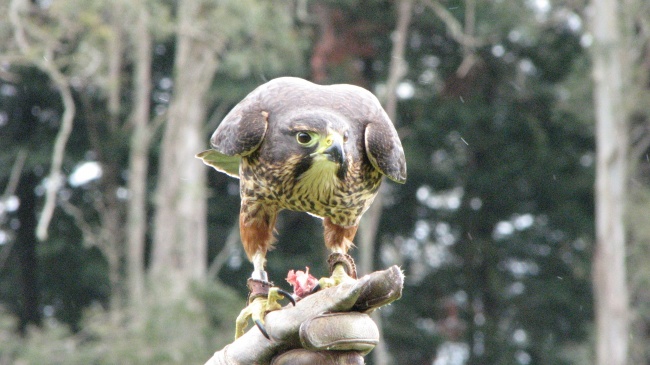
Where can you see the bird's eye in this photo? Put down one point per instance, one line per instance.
(303, 138)
(345, 136)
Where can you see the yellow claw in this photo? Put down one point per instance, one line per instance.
(257, 309)
(339, 276)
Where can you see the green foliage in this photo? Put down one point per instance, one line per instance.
(500, 185)
(180, 333)
(639, 273)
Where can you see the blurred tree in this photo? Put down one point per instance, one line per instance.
(179, 247)
(636, 33)
(90, 47)
(69, 53)
(612, 142)
(139, 159)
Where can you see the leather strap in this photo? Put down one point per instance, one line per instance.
(258, 288)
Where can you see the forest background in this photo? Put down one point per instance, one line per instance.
(522, 228)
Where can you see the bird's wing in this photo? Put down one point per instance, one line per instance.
(243, 129)
(223, 163)
(383, 146)
(384, 149)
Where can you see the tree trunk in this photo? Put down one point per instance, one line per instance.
(609, 273)
(25, 248)
(179, 251)
(111, 211)
(139, 161)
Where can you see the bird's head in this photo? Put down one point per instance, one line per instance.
(323, 150)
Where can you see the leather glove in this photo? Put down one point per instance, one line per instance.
(329, 327)
(331, 339)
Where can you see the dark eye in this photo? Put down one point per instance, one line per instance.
(345, 136)
(303, 137)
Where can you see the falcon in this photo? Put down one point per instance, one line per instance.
(310, 148)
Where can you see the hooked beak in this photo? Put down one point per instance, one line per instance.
(334, 148)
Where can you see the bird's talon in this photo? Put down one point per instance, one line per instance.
(339, 276)
(287, 295)
(260, 325)
(260, 303)
(315, 288)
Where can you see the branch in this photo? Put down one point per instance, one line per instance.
(454, 27)
(10, 189)
(47, 65)
(640, 147)
(90, 237)
(284, 326)
(397, 64)
(115, 49)
(154, 126)
(19, 29)
(14, 176)
(69, 111)
(231, 243)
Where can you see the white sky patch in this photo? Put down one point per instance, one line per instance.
(452, 353)
(10, 204)
(523, 357)
(517, 222)
(122, 193)
(447, 200)
(476, 203)
(574, 22)
(422, 230)
(520, 336)
(85, 173)
(527, 66)
(165, 83)
(498, 50)
(521, 268)
(405, 90)
(8, 90)
(540, 6)
(523, 221)
(504, 228)
(586, 40)
(514, 36)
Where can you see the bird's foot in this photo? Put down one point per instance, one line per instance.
(263, 298)
(342, 270)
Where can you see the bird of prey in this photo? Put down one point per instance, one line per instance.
(310, 148)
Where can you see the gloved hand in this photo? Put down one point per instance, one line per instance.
(335, 338)
(329, 327)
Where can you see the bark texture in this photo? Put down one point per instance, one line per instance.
(612, 141)
(139, 160)
(179, 252)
